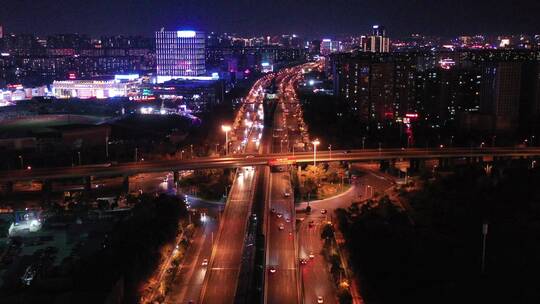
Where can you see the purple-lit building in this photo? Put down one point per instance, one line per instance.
(180, 54)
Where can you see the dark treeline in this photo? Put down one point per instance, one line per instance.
(438, 258)
(131, 253)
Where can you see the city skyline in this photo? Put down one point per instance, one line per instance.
(269, 152)
(316, 18)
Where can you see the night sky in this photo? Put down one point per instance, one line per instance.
(313, 17)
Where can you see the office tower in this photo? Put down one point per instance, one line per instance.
(377, 42)
(329, 46)
(180, 54)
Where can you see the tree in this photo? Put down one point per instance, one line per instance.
(315, 172)
(344, 296)
(327, 232)
(334, 172)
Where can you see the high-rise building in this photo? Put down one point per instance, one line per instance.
(180, 54)
(329, 46)
(501, 93)
(377, 42)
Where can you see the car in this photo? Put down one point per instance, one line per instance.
(303, 261)
(281, 227)
(311, 224)
(204, 262)
(320, 300)
(273, 210)
(279, 215)
(324, 211)
(272, 269)
(286, 194)
(288, 220)
(311, 255)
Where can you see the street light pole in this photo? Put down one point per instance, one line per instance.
(363, 142)
(79, 154)
(330, 148)
(191, 147)
(107, 147)
(226, 129)
(484, 235)
(22, 161)
(315, 143)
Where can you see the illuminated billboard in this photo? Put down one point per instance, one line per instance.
(185, 34)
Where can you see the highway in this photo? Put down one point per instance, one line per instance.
(221, 280)
(243, 160)
(282, 283)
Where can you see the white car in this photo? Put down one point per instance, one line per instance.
(286, 194)
(281, 227)
(204, 262)
(320, 300)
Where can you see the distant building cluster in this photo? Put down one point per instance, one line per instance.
(33, 60)
(488, 90)
(481, 81)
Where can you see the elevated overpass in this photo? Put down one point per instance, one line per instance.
(242, 160)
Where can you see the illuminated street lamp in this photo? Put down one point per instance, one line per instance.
(330, 149)
(315, 143)
(226, 129)
(368, 187)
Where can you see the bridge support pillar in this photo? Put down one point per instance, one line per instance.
(125, 184)
(87, 180)
(441, 163)
(8, 186)
(415, 165)
(384, 165)
(46, 187)
(445, 163)
(176, 176)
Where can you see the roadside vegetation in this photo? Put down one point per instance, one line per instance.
(438, 256)
(321, 181)
(208, 184)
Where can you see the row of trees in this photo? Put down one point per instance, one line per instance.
(331, 254)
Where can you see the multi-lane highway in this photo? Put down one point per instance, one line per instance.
(225, 262)
(282, 282)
